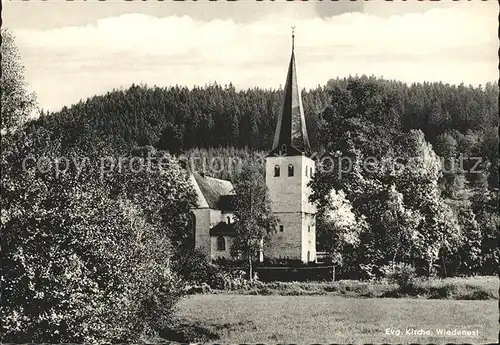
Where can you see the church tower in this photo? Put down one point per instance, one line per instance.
(289, 168)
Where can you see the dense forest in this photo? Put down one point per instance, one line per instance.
(178, 119)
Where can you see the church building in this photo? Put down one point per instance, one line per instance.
(289, 168)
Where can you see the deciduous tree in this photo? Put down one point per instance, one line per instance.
(254, 220)
(17, 102)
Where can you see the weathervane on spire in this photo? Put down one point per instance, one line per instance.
(293, 37)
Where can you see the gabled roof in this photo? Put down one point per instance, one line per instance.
(210, 190)
(291, 131)
(222, 229)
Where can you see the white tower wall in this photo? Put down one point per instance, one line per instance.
(289, 197)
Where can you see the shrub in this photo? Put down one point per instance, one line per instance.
(478, 295)
(400, 273)
(194, 268)
(231, 280)
(112, 283)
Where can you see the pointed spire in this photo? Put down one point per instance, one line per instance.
(291, 131)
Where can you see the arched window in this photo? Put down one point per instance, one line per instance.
(311, 172)
(283, 150)
(308, 256)
(290, 170)
(276, 171)
(221, 243)
(228, 220)
(306, 171)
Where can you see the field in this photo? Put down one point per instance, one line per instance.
(236, 318)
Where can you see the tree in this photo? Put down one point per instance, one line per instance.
(397, 193)
(83, 261)
(418, 181)
(17, 102)
(338, 228)
(466, 258)
(485, 206)
(446, 145)
(254, 220)
(360, 114)
(161, 187)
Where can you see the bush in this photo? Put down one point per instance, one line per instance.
(193, 267)
(400, 273)
(112, 283)
(232, 280)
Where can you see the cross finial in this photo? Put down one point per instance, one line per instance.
(293, 37)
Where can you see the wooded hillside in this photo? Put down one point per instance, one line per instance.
(176, 118)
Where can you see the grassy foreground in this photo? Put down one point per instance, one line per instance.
(332, 319)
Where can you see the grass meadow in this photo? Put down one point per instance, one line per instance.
(332, 319)
(342, 312)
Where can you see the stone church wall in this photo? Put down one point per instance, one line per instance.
(202, 230)
(308, 237)
(286, 244)
(205, 219)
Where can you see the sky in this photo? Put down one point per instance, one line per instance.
(74, 50)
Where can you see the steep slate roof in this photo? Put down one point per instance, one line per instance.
(210, 190)
(201, 202)
(223, 229)
(291, 130)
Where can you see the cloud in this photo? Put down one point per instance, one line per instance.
(452, 44)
